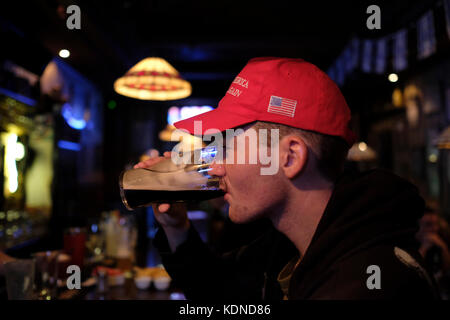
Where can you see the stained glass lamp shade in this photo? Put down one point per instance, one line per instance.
(153, 79)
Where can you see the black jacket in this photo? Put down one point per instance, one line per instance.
(370, 220)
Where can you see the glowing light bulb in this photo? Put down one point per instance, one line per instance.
(362, 146)
(64, 53)
(10, 162)
(20, 151)
(433, 158)
(393, 77)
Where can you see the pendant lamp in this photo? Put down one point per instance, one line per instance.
(153, 79)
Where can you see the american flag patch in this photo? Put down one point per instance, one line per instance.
(283, 106)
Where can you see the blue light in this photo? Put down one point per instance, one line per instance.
(194, 54)
(94, 228)
(175, 114)
(197, 215)
(208, 154)
(76, 124)
(67, 113)
(18, 97)
(62, 144)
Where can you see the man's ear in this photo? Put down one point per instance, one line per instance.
(293, 155)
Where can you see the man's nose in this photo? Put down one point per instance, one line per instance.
(217, 169)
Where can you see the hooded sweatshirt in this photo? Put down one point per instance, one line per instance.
(363, 248)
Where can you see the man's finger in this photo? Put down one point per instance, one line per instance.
(148, 163)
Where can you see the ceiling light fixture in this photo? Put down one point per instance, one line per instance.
(153, 79)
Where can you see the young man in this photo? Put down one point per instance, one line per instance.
(336, 235)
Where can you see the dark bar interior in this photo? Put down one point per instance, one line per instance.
(89, 89)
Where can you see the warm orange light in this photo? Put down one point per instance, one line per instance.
(397, 98)
(153, 79)
(443, 141)
(361, 152)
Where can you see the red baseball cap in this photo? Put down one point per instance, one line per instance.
(288, 91)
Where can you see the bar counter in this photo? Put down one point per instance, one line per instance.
(127, 291)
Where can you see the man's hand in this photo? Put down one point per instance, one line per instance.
(172, 217)
(149, 162)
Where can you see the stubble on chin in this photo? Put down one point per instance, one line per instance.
(241, 214)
